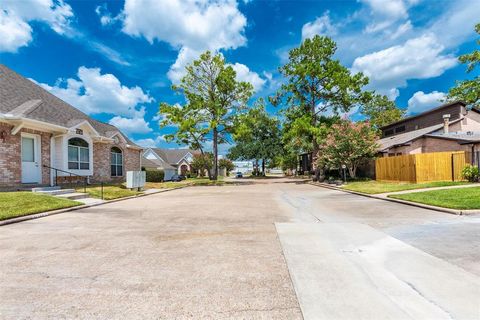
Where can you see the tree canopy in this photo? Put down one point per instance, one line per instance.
(468, 90)
(257, 135)
(213, 98)
(380, 110)
(316, 83)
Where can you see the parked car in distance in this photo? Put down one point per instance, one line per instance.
(178, 177)
(239, 175)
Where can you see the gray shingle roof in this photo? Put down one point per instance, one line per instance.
(399, 139)
(173, 156)
(20, 96)
(154, 163)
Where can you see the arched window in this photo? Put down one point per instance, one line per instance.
(116, 162)
(78, 154)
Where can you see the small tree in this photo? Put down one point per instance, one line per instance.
(348, 143)
(201, 163)
(227, 164)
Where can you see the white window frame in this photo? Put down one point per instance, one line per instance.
(81, 172)
(116, 164)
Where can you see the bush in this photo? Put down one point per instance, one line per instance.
(470, 173)
(155, 175)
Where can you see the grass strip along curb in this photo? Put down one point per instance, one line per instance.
(53, 212)
(410, 203)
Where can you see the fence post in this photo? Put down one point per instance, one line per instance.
(102, 190)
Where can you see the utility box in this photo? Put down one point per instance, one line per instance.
(136, 179)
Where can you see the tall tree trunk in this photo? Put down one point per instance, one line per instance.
(263, 167)
(215, 154)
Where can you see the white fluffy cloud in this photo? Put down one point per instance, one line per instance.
(418, 58)
(136, 124)
(95, 93)
(15, 16)
(191, 26)
(149, 142)
(385, 13)
(421, 101)
(245, 74)
(320, 26)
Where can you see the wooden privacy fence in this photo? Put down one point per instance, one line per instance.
(422, 167)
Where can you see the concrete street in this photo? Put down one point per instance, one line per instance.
(276, 249)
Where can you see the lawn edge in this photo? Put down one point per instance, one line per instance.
(58, 211)
(410, 203)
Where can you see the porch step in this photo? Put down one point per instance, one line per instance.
(42, 189)
(57, 192)
(73, 195)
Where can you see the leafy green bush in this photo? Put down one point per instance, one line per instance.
(470, 172)
(155, 175)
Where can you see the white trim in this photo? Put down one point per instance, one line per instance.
(38, 155)
(83, 123)
(183, 158)
(64, 150)
(121, 136)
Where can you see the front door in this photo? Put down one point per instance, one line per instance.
(31, 169)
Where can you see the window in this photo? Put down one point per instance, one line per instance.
(388, 132)
(78, 154)
(399, 129)
(116, 162)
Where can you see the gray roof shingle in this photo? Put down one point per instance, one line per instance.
(173, 156)
(20, 96)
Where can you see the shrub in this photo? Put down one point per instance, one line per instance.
(470, 172)
(155, 175)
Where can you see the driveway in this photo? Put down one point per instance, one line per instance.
(214, 252)
(202, 252)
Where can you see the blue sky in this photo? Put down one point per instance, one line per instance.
(116, 60)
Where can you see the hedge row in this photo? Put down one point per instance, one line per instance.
(155, 175)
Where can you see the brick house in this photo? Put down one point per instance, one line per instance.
(449, 127)
(39, 131)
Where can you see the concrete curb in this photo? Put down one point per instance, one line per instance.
(413, 204)
(54, 212)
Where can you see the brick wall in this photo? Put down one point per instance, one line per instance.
(10, 156)
(101, 161)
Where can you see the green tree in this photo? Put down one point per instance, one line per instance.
(348, 143)
(380, 110)
(316, 83)
(214, 97)
(201, 163)
(227, 164)
(257, 136)
(468, 90)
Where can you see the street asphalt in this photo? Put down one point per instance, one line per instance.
(214, 253)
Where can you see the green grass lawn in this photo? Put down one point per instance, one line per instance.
(187, 182)
(16, 204)
(374, 187)
(110, 192)
(462, 198)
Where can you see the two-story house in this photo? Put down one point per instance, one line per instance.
(449, 127)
